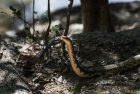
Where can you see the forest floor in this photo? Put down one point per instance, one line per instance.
(52, 74)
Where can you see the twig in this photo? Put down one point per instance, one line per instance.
(24, 14)
(48, 29)
(67, 25)
(33, 17)
(68, 17)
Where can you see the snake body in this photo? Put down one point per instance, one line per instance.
(97, 71)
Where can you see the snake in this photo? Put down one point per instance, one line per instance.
(101, 70)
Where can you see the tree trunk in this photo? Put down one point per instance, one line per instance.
(96, 16)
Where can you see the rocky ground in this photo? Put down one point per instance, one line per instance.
(53, 74)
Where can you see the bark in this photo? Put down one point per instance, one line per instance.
(96, 16)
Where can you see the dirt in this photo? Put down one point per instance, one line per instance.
(53, 74)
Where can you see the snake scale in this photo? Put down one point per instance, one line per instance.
(97, 71)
